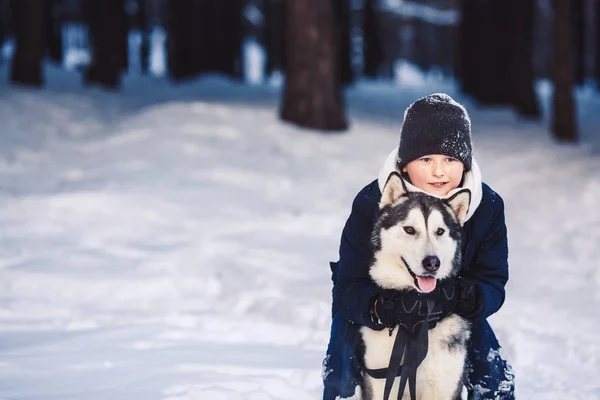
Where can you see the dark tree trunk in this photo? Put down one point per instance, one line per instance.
(343, 17)
(524, 96)
(578, 26)
(107, 27)
(124, 27)
(29, 17)
(597, 43)
(142, 24)
(204, 24)
(274, 33)
(372, 47)
(54, 31)
(312, 94)
(468, 41)
(564, 126)
(495, 62)
(180, 58)
(2, 27)
(204, 35)
(224, 38)
(494, 52)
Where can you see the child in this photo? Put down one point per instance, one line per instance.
(434, 156)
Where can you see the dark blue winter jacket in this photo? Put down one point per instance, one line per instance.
(485, 255)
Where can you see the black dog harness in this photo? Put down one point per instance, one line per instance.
(408, 353)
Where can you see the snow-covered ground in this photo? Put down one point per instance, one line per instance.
(172, 241)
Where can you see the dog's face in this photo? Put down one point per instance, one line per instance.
(417, 237)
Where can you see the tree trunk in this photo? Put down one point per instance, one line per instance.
(343, 16)
(597, 44)
(204, 36)
(578, 26)
(182, 57)
(2, 27)
(563, 113)
(142, 24)
(123, 24)
(224, 37)
(495, 62)
(312, 94)
(28, 17)
(107, 27)
(186, 32)
(495, 86)
(274, 32)
(373, 52)
(524, 96)
(54, 31)
(466, 62)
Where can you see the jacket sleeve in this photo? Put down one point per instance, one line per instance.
(353, 289)
(490, 269)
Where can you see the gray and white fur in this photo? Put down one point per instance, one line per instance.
(411, 227)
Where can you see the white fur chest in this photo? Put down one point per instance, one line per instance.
(439, 377)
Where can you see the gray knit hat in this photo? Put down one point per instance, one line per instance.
(435, 124)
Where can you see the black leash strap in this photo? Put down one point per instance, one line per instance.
(410, 348)
(400, 345)
(381, 373)
(416, 351)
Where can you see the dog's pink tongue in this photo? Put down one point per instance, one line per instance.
(426, 283)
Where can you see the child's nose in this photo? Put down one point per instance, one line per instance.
(438, 169)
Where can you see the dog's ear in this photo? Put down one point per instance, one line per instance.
(394, 188)
(459, 203)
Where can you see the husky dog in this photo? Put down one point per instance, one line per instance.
(416, 242)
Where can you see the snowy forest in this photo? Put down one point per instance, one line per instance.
(495, 50)
(176, 175)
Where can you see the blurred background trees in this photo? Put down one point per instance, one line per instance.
(315, 30)
(204, 36)
(28, 24)
(496, 50)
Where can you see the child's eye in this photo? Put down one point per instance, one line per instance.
(450, 159)
(425, 159)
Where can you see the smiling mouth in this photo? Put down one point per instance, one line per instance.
(425, 284)
(438, 184)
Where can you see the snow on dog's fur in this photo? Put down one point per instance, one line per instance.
(411, 228)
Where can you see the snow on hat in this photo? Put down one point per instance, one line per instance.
(435, 124)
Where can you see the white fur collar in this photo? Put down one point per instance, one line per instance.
(472, 182)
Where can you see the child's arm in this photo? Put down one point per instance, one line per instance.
(353, 289)
(490, 268)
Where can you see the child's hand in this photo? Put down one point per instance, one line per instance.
(456, 296)
(407, 308)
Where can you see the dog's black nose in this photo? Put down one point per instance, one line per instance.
(431, 263)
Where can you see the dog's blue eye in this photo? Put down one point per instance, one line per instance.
(440, 232)
(410, 230)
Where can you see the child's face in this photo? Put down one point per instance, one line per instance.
(435, 173)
